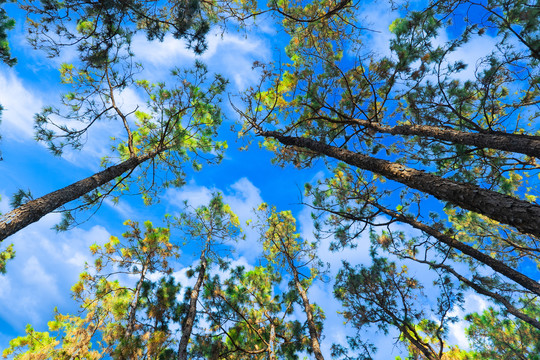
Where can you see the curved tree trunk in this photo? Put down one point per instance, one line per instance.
(187, 325)
(516, 143)
(34, 210)
(506, 209)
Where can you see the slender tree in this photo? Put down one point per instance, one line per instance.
(182, 119)
(251, 318)
(181, 125)
(284, 248)
(111, 322)
(213, 227)
(385, 295)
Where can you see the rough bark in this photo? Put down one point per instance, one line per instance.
(34, 210)
(516, 143)
(506, 209)
(313, 334)
(496, 265)
(135, 302)
(187, 325)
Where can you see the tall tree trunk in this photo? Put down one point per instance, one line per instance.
(272, 342)
(135, 302)
(34, 210)
(313, 334)
(516, 143)
(506, 209)
(495, 264)
(187, 325)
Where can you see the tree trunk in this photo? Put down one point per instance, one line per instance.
(495, 264)
(506, 209)
(187, 326)
(313, 334)
(418, 344)
(516, 143)
(34, 210)
(272, 342)
(481, 290)
(134, 303)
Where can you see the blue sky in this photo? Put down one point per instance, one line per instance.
(47, 263)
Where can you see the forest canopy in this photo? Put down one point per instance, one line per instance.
(243, 180)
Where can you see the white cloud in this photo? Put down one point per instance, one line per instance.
(20, 104)
(45, 267)
(227, 54)
(470, 53)
(242, 196)
(378, 16)
(473, 303)
(4, 204)
(123, 208)
(195, 195)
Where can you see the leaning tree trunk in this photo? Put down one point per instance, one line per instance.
(34, 210)
(516, 143)
(313, 334)
(483, 291)
(476, 254)
(187, 326)
(506, 209)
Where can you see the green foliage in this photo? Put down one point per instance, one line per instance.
(250, 318)
(5, 256)
(115, 320)
(20, 197)
(493, 334)
(6, 24)
(104, 30)
(335, 98)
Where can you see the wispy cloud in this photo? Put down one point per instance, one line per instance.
(242, 196)
(228, 54)
(20, 104)
(46, 265)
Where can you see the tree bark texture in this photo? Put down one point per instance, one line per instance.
(516, 143)
(495, 264)
(34, 210)
(506, 209)
(187, 325)
(313, 334)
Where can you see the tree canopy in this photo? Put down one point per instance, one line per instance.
(417, 133)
